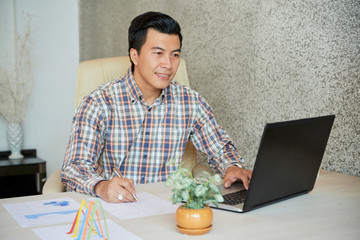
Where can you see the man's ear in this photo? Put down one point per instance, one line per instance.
(133, 55)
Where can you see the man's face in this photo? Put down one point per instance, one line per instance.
(157, 62)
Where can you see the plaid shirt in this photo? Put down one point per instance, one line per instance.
(114, 127)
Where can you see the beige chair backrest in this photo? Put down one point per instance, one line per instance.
(93, 73)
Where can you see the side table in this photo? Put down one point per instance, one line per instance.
(18, 174)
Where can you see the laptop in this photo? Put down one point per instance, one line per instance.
(287, 164)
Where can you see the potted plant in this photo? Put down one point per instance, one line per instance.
(195, 216)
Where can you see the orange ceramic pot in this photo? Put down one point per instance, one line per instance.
(194, 218)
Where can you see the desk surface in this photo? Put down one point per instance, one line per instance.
(330, 211)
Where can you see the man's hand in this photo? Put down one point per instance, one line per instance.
(234, 173)
(110, 190)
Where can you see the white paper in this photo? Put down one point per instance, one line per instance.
(60, 232)
(44, 212)
(148, 205)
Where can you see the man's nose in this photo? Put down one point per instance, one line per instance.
(166, 62)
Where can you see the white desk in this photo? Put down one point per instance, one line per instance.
(330, 211)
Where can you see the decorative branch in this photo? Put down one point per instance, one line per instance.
(16, 84)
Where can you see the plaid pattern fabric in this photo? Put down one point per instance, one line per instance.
(114, 127)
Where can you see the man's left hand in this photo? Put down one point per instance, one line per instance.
(234, 173)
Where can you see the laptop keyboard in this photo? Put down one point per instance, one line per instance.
(235, 197)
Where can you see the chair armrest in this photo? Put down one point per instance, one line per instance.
(199, 170)
(53, 184)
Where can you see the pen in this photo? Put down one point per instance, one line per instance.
(118, 173)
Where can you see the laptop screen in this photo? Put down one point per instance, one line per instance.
(288, 160)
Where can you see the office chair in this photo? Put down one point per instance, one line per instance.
(93, 73)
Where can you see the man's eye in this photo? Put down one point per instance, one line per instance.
(176, 55)
(158, 53)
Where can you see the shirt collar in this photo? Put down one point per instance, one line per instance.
(135, 92)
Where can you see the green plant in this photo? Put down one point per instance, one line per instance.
(195, 192)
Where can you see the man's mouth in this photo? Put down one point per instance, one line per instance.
(163, 76)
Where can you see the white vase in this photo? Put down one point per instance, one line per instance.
(15, 138)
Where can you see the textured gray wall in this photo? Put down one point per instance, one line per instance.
(256, 62)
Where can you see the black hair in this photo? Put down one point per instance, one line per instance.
(156, 20)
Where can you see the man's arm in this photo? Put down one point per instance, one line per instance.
(84, 150)
(81, 166)
(212, 139)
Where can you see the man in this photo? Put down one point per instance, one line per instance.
(141, 121)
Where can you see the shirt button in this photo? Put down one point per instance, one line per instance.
(143, 177)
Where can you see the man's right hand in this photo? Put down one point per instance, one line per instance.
(109, 191)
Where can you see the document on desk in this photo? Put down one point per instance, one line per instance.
(44, 212)
(59, 232)
(147, 205)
